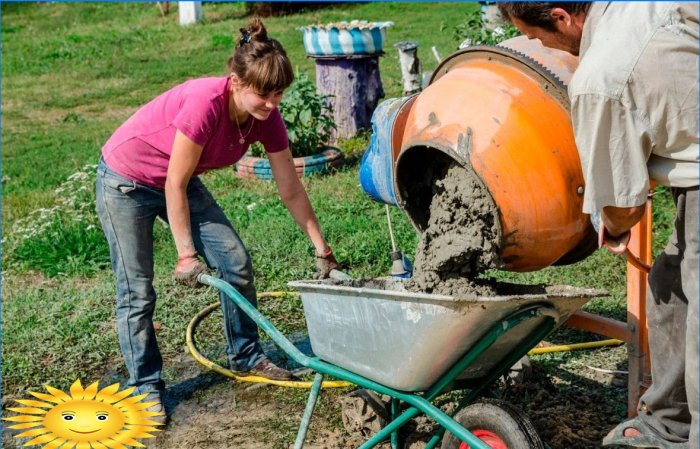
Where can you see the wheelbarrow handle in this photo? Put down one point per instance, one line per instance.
(276, 336)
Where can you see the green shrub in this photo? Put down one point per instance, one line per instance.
(65, 239)
(308, 117)
(476, 33)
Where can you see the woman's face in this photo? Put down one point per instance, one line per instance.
(258, 104)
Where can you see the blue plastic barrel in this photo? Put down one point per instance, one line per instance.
(377, 165)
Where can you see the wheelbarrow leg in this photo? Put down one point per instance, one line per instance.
(395, 407)
(308, 411)
(420, 405)
(435, 439)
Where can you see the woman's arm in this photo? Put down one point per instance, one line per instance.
(183, 160)
(295, 199)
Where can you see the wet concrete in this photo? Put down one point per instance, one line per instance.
(461, 239)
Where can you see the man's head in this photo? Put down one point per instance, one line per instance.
(557, 24)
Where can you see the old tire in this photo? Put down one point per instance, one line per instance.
(498, 424)
(250, 167)
(364, 413)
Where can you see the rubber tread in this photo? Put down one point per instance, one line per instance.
(518, 418)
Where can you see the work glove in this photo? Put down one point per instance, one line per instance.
(188, 268)
(325, 264)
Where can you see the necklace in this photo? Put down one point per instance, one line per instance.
(240, 133)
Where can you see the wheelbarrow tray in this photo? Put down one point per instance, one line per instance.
(407, 340)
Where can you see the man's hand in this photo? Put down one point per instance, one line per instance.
(325, 263)
(616, 244)
(188, 268)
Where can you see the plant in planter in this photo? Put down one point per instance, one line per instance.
(474, 31)
(308, 118)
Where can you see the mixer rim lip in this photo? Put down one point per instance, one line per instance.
(531, 67)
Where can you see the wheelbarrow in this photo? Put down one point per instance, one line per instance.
(413, 347)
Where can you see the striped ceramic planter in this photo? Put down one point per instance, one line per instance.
(345, 38)
(250, 167)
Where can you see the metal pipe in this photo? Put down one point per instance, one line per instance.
(308, 411)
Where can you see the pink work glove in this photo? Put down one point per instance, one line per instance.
(325, 263)
(188, 268)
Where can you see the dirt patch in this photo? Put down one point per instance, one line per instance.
(570, 407)
(461, 239)
(568, 414)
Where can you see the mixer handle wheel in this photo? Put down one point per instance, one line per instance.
(496, 423)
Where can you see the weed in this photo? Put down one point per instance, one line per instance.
(65, 239)
(473, 32)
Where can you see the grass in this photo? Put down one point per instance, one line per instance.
(72, 72)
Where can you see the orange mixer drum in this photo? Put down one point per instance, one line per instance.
(505, 115)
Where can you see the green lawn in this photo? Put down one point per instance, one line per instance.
(72, 72)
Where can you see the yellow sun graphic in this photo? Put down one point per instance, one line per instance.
(85, 419)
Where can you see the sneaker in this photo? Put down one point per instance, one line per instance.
(265, 368)
(158, 407)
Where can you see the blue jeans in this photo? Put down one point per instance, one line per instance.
(127, 212)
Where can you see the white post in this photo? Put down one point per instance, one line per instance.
(190, 12)
(410, 66)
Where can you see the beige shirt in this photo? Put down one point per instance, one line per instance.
(634, 100)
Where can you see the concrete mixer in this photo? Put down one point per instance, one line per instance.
(501, 112)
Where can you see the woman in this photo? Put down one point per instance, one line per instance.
(149, 169)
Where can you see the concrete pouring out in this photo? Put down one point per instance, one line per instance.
(461, 239)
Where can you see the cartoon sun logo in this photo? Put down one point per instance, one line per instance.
(85, 419)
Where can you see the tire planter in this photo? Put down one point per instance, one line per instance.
(317, 164)
(358, 37)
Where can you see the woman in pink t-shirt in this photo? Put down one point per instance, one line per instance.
(149, 169)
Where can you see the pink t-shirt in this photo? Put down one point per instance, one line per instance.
(140, 148)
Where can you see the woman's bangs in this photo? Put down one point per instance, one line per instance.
(271, 75)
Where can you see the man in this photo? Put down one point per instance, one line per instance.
(634, 109)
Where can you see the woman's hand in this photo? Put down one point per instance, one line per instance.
(325, 263)
(188, 268)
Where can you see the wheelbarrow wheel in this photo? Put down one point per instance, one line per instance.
(497, 424)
